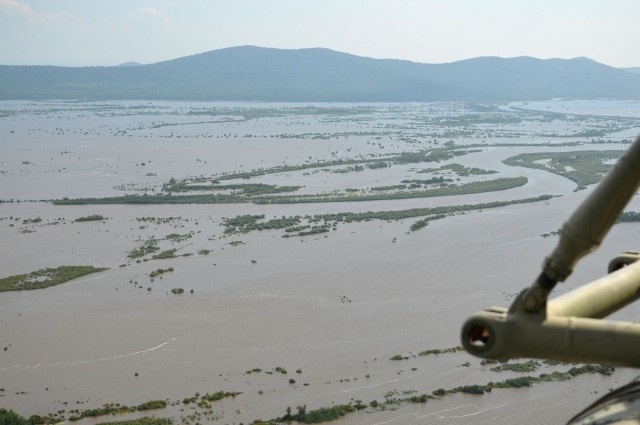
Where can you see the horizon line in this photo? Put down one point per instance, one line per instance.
(134, 63)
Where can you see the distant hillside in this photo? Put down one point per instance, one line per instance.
(263, 74)
(633, 70)
(130, 64)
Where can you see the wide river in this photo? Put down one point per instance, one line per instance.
(331, 309)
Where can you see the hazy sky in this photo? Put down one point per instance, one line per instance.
(110, 32)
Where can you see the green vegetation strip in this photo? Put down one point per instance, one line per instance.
(450, 190)
(8, 417)
(142, 421)
(322, 414)
(625, 217)
(427, 155)
(425, 221)
(526, 367)
(429, 352)
(327, 414)
(435, 351)
(527, 381)
(94, 217)
(117, 408)
(460, 170)
(44, 278)
(240, 189)
(294, 226)
(170, 253)
(349, 217)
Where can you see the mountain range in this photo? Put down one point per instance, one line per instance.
(250, 73)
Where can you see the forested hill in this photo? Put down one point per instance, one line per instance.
(264, 74)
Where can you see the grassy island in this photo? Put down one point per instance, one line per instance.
(448, 190)
(44, 278)
(583, 167)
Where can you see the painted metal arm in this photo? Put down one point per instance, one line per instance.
(569, 328)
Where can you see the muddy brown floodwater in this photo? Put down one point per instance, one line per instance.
(335, 306)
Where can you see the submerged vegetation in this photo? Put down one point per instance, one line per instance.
(332, 413)
(44, 278)
(392, 399)
(293, 226)
(148, 247)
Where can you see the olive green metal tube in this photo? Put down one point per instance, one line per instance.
(600, 298)
(569, 328)
(623, 260)
(494, 334)
(588, 225)
(586, 228)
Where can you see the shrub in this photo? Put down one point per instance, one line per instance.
(9, 417)
(153, 404)
(472, 389)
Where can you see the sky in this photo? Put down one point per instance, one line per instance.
(111, 32)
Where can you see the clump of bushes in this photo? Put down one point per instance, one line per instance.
(93, 217)
(158, 272)
(323, 414)
(148, 247)
(219, 395)
(529, 366)
(398, 357)
(170, 253)
(9, 417)
(440, 351)
(472, 389)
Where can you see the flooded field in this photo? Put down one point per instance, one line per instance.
(292, 295)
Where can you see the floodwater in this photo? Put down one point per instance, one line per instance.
(335, 306)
